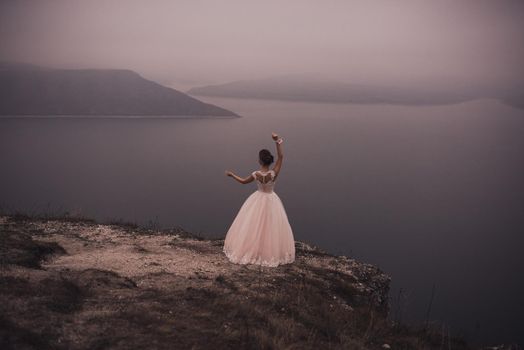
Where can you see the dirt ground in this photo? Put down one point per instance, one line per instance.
(78, 284)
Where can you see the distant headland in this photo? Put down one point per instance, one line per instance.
(310, 89)
(33, 90)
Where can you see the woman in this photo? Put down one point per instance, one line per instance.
(260, 233)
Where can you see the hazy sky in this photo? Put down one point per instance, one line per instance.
(195, 42)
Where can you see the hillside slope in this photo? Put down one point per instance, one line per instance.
(291, 88)
(30, 90)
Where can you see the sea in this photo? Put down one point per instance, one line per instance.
(432, 195)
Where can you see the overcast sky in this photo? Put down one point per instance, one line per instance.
(198, 42)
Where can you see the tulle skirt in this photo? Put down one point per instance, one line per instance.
(260, 233)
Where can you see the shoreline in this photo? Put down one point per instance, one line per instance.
(118, 117)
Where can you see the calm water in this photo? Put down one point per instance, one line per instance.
(432, 195)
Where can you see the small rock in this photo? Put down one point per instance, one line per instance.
(386, 346)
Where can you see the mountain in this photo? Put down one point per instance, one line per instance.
(32, 90)
(298, 88)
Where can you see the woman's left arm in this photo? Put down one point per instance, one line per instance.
(243, 181)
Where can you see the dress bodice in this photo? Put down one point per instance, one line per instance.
(268, 177)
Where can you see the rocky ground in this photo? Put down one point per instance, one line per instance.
(77, 284)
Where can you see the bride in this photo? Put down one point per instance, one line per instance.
(260, 233)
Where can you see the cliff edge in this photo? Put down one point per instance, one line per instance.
(78, 284)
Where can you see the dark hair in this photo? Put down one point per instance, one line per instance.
(265, 157)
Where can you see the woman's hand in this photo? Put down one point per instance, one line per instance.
(274, 136)
(229, 173)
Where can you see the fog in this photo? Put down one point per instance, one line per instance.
(430, 193)
(188, 43)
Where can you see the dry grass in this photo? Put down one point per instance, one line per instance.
(122, 287)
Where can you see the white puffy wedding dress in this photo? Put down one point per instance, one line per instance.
(260, 233)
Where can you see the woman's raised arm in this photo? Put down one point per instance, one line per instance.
(280, 154)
